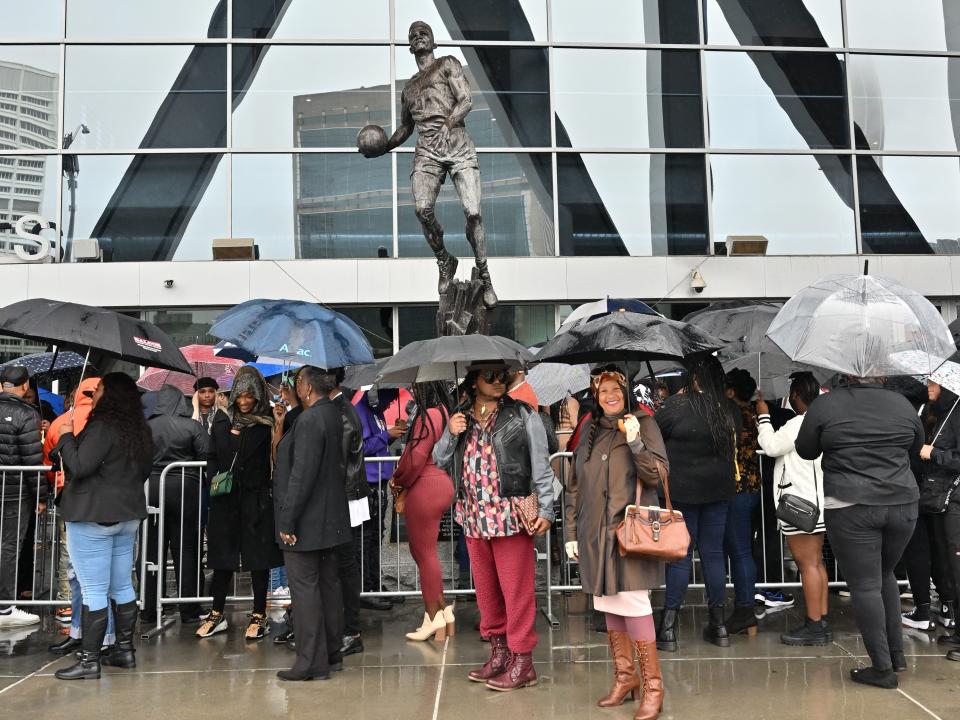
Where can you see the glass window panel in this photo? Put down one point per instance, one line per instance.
(377, 326)
(801, 23)
(161, 96)
(29, 82)
(909, 204)
(28, 186)
(905, 103)
(626, 21)
(516, 204)
(305, 19)
(149, 207)
(511, 103)
(632, 204)
(898, 25)
(319, 205)
(527, 324)
(136, 19)
(308, 96)
(807, 211)
(514, 20)
(186, 326)
(37, 19)
(792, 100)
(627, 98)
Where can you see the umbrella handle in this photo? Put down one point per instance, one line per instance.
(83, 372)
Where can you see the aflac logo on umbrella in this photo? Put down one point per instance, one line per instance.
(302, 352)
(148, 345)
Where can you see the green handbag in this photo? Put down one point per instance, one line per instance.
(222, 483)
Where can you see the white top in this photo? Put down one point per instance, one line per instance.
(800, 477)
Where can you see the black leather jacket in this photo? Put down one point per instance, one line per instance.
(520, 446)
(355, 474)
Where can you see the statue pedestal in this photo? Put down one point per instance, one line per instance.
(461, 310)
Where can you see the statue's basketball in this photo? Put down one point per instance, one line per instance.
(372, 141)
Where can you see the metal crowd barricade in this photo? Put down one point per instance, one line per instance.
(37, 537)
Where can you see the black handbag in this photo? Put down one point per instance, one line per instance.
(797, 511)
(936, 493)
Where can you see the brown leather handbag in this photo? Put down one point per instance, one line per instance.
(652, 532)
(528, 511)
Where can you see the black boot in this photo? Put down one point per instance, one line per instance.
(667, 632)
(812, 632)
(125, 620)
(65, 647)
(716, 631)
(94, 626)
(742, 620)
(953, 639)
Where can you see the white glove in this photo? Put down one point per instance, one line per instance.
(573, 550)
(631, 426)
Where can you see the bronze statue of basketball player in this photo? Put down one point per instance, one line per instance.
(435, 102)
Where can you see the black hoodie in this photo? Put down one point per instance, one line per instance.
(176, 436)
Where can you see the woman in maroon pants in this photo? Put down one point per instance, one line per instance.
(429, 495)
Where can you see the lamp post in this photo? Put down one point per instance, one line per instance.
(71, 168)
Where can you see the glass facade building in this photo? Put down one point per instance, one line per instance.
(630, 128)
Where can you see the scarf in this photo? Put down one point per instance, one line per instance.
(249, 380)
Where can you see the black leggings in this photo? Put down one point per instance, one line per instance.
(926, 556)
(220, 588)
(868, 541)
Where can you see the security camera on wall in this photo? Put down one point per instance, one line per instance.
(697, 283)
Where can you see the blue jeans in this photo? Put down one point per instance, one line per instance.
(278, 578)
(76, 609)
(102, 557)
(738, 546)
(706, 524)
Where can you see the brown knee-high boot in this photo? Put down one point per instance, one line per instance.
(625, 678)
(652, 702)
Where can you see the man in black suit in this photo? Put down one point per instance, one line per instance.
(312, 520)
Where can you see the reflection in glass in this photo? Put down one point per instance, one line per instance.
(309, 96)
(527, 324)
(905, 103)
(151, 207)
(632, 204)
(29, 80)
(511, 105)
(377, 326)
(898, 25)
(319, 205)
(160, 96)
(37, 19)
(307, 19)
(626, 21)
(516, 203)
(28, 186)
(135, 19)
(765, 99)
(505, 20)
(186, 326)
(807, 210)
(627, 98)
(908, 204)
(801, 23)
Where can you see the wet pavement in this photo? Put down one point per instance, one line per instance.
(179, 676)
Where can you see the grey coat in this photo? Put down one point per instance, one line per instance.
(598, 492)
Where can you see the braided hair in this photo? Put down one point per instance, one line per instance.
(427, 395)
(609, 372)
(705, 393)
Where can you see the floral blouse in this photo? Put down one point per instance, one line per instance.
(748, 462)
(481, 510)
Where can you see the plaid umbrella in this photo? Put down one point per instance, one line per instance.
(204, 363)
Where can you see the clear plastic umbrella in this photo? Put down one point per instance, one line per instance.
(855, 324)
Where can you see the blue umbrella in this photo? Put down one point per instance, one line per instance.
(39, 364)
(293, 330)
(56, 401)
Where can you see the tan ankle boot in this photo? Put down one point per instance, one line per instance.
(652, 702)
(625, 678)
(450, 620)
(435, 628)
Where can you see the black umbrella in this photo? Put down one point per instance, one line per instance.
(49, 365)
(626, 336)
(360, 376)
(443, 358)
(93, 328)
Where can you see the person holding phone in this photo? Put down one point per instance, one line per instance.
(621, 452)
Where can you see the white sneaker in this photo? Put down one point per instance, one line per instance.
(15, 617)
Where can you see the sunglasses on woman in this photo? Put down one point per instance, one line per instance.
(493, 376)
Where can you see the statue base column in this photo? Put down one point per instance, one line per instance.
(461, 310)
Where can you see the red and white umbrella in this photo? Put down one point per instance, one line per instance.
(204, 363)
